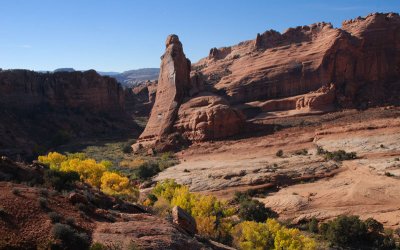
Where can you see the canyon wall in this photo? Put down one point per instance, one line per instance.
(41, 111)
(361, 59)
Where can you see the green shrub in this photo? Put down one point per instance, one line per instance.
(279, 153)
(54, 217)
(254, 210)
(16, 191)
(60, 180)
(98, 246)
(3, 211)
(42, 202)
(70, 221)
(127, 149)
(70, 238)
(301, 152)
(350, 231)
(313, 225)
(44, 192)
(148, 170)
(340, 155)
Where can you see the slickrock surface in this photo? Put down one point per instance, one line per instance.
(302, 185)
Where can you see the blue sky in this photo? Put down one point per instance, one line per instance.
(117, 35)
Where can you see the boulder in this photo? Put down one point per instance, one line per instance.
(208, 117)
(184, 220)
(75, 198)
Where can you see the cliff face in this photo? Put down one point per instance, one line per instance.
(361, 59)
(28, 90)
(41, 110)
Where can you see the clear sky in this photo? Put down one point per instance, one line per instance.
(118, 35)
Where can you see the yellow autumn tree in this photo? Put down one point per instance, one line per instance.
(270, 235)
(249, 235)
(89, 170)
(53, 159)
(292, 239)
(115, 184)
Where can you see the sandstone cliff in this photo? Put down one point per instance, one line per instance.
(43, 110)
(361, 59)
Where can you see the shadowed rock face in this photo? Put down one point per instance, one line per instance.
(361, 59)
(27, 90)
(173, 85)
(45, 110)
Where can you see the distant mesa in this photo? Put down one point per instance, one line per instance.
(137, 76)
(64, 70)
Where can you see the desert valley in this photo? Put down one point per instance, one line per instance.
(287, 141)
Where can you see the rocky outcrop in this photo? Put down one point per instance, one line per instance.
(207, 117)
(139, 100)
(361, 58)
(321, 100)
(144, 231)
(173, 85)
(184, 220)
(183, 108)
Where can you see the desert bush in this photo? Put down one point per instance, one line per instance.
(127, 149)
(70, 238)
(60, 180)
(313, 225)
(70, 221)
(54, 217)
(350, 231)
(301, 152)
(279, 153)
(42, 202)
(339, 155)
(16, 191)
(254, 210)
(147, 170)
(3, 211)
(43, 192)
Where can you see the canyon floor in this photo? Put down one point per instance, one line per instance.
(301, 183)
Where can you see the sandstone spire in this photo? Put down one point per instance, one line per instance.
(173, 85)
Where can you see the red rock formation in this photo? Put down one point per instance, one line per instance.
(28, 90)
(361, 59)
(200, 118)
(43, 110)
(173, 84)
(208, 117)
(140, 99)
(321, 100)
